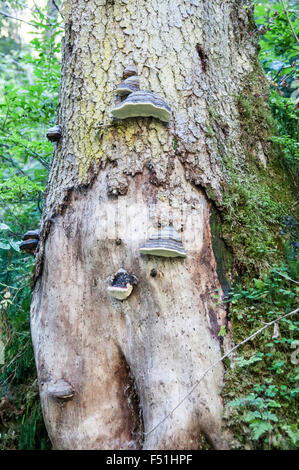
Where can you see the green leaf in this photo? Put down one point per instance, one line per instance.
(4, 246)
(4, 227)
(222, 331)
(259, 428)
(15, 245)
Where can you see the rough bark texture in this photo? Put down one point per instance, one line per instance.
(131, 362)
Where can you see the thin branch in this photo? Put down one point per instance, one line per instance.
(289, 21)
(32, 10)
(16, 357)
(281, 274)
(40, 159)
(7, 15)
(55, 5)
(217, 362)
(15, 166)
(151, 67)
(10, 287)
(15, 18)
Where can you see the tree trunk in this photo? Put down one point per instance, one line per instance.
(111, 184)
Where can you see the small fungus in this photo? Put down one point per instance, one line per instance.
(143, 104)
(128, 86)
(129, 71)
(165, 242)
(54, 133)
(29, 246)
(31, 235)
(61, 389)
(30, 241)
(122, 284)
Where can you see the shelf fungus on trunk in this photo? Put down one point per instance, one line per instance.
(61, 390)
(129, 71)
(54, 133)
(142, 104)
(165, 242)
(30, 241)
(129, 85)
(122, 284)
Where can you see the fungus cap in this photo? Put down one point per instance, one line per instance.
(29, 246)
(129, 71)
(122, 284)
(165, 242)
(31, 235)
(128, 86)
(143, 104)
(61, 389)
(54, 133)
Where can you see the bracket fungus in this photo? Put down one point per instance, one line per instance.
(122, 284)
(31, 235)
(54, 133)
(165, 242)
(129, 85)
(129, 71)
(30, 241)
(142, 104)
(61, 390)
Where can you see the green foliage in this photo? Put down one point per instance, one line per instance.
(29, 81)
(261, 385)
(279, 57)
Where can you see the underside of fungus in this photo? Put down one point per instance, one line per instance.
(30, 241)
(143, 104)
(129, 71)
(54, 133)
(120, 293)
(122, 284)
(29, 246)
(165, 242)
(61, 389)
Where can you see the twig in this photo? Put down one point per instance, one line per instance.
(16, 357)
(15, 18)
(55, 5)
(217, 362)
(32, 10)
(281, 274)
(10, 287)
(7, 15)
(40, 159)
(289, 21)
(153, 68)
(14, 164)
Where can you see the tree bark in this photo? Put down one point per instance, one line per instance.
(111, 183)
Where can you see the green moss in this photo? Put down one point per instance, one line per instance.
(254, 205)
(261, 383)
(255, 199)
(221, 252)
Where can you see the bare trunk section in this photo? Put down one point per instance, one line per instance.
(131, 362)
